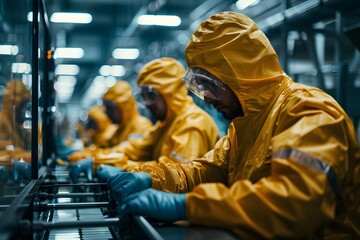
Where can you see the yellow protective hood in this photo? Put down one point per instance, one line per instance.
(165, 75)
(15, 93)
(121, 95)
(106, 128)
(230, 46)
(99, 117)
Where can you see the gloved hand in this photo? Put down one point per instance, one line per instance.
(104, 172)
(159, 205)
(125, 183)
(84, 166)
(64, 150)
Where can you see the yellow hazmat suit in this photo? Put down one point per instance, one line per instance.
(10, 131)
(132, 123)
(186, 132)
(101, 137)
(131, 120)
(289, 168)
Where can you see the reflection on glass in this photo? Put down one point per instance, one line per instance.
(15, 132)
(15, 99)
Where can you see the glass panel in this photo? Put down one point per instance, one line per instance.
(15, 98)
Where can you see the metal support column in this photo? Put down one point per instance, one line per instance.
(284, 36)
(342, 68)
(313, 53)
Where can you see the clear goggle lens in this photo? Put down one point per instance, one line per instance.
(147, 95)
(204, 86)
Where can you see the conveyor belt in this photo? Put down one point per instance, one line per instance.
(52, 207)
(73, 211)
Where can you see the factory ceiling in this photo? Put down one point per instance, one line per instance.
(115, 24)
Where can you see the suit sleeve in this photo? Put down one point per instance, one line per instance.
(181, 178)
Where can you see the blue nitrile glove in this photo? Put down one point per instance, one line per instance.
(63, 150)
(156, 204)
(83, 166)
(104, 172)
(125, 183)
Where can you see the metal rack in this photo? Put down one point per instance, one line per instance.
(51, 207)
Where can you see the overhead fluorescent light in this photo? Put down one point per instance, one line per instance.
(66, 17)
(126, 53)
(20, 68)
(271, 21)
(95, 90)
(159, 20)
(110, 81)
(67, 69)
(66, 81)
(30, 16)
(9, 49)
(64, 87)
(69, 53)
(242, 4)
(63, 97)
(112, 70)
(98, 87)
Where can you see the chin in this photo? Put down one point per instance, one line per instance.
(229, 116)
(226, 115)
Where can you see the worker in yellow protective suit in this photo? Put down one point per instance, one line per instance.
(99, 129)
(183, 130)
(15, 131)
(288, 167)
(121, 108)
(12, 132)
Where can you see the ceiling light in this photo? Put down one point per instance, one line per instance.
(98, 87)
(114, 70)
(66, 81)
(126, 53)
(67, 69)
(20, 68)
(242, 4)
(66, 17)
(159, 20)
(95, 91)
(9, 49)
(271, 21)
(30, 16)
(110, 81)
(64, 87)
(69, 53)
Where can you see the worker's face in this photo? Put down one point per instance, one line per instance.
(92, 126)
(112, 111)
(209, 88)
(153, 101)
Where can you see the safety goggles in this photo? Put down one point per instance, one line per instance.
(204, 86)
(147, 95)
